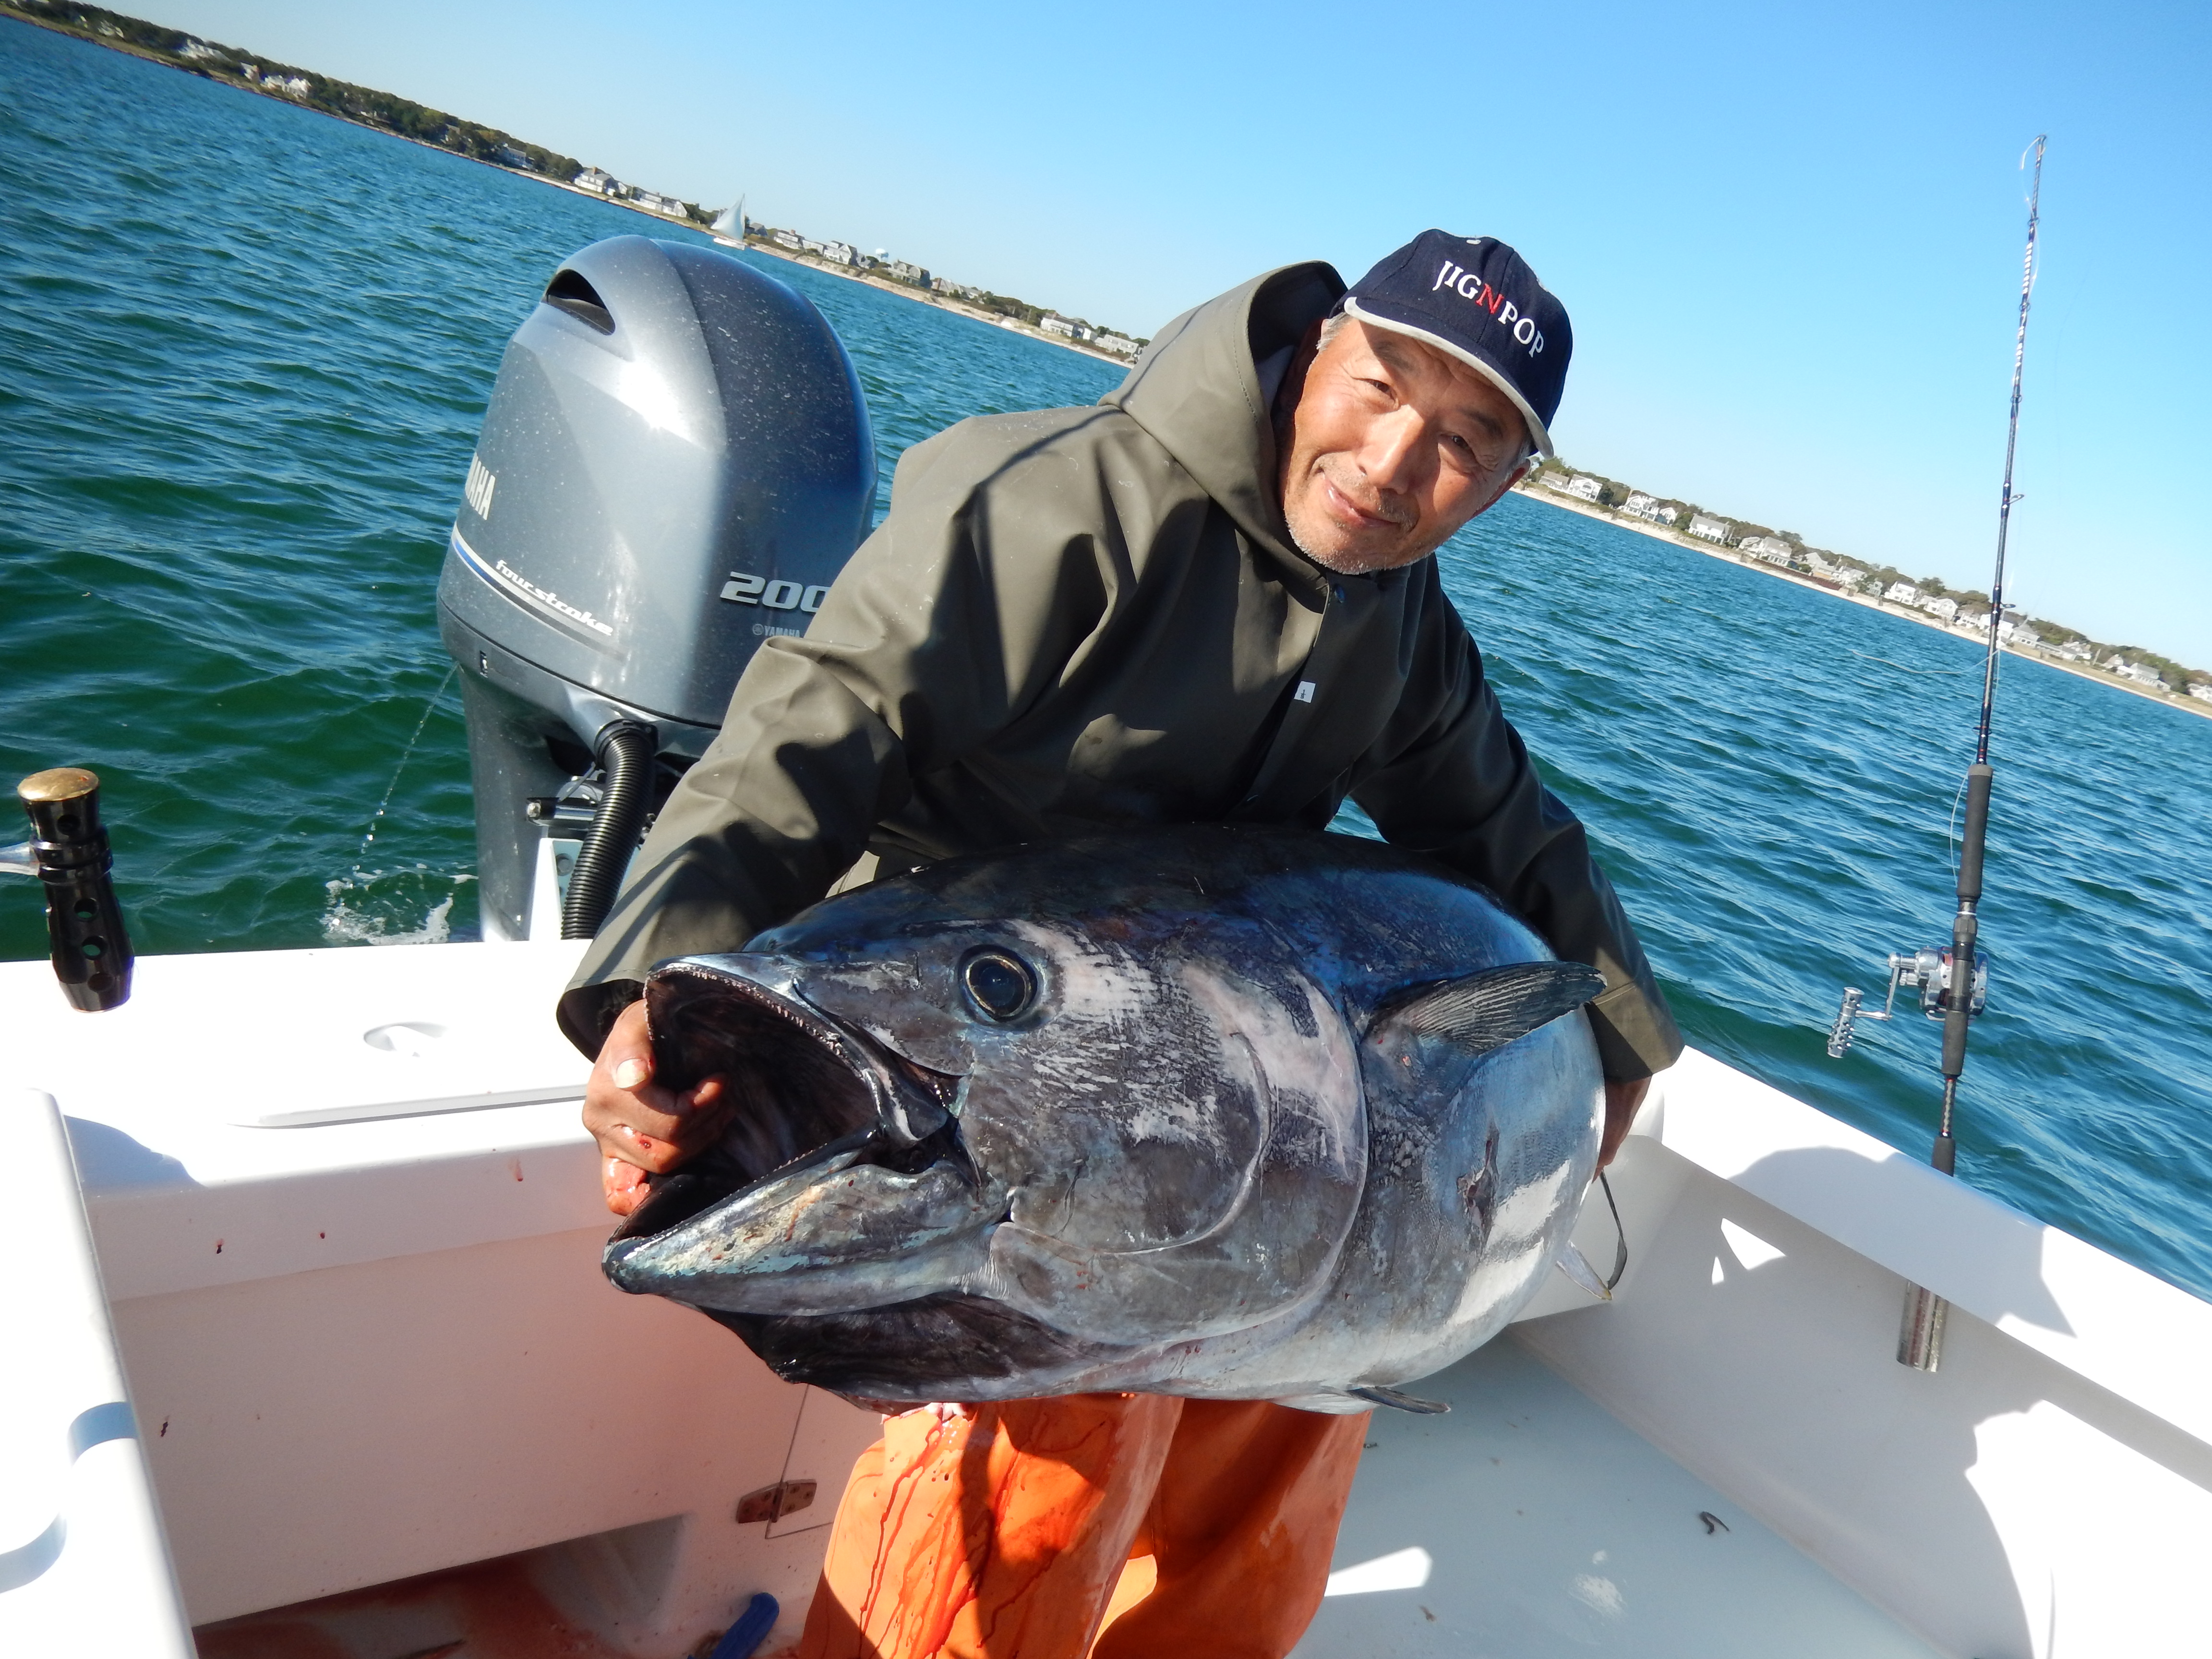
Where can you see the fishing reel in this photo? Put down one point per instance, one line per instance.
(1930, 972)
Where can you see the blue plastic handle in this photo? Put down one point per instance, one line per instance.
(750, 1632)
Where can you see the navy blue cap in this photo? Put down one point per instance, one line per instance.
(1476, 298)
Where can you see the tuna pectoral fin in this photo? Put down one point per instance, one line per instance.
(1575, 1265)
(1399, 1401)
(1488, 1010)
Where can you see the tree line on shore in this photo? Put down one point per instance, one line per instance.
(911, 275)
(254, 73)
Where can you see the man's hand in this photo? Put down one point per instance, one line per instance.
(1622, 1101)
(639, 1125)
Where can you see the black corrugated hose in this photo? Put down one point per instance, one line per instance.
(626, 749)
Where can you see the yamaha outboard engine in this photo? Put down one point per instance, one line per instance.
(674, 465)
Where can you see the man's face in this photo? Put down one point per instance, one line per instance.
(1392, 446)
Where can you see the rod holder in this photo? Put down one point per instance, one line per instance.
(1920, 1334)
(69, 853)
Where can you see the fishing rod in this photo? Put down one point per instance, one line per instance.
(1948, 991)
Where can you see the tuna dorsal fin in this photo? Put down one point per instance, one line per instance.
(1488, 1010)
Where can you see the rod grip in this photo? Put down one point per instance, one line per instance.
(90, 945)
(1979, 776)
(1963, 925)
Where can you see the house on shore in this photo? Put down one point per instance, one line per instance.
(1902, 593)
(598, 181)
(1941, 606)
(1119, 344)
(906, 270)
(2200, 689)
(2140, 673)
(1649, 508)
(789, 239)
(1580, 485)
(1708, 528)
(1066, 327)
(1770, 548)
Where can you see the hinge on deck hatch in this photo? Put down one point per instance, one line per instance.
(774, 1502)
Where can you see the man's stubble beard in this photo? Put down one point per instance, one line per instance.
(1348, 562)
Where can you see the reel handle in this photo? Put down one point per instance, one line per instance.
(69, 853)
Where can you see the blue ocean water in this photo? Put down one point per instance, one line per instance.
(246, 348)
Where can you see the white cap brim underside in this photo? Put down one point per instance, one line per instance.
(1536, 428)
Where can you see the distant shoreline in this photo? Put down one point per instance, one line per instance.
(132, 49)
(72, 32)
(1552, 498)
(905, 292)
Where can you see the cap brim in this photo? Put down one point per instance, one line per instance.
(1536, 428)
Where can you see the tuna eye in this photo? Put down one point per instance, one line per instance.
(1003, 986)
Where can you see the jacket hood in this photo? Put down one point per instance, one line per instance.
(1197, 392)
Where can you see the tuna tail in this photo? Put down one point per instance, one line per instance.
(1487, 1010)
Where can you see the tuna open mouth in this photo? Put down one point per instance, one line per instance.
(813, 1100)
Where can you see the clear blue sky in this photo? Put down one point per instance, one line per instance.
(1789, 236)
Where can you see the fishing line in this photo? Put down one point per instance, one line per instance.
(1951, 836)
(375, 817)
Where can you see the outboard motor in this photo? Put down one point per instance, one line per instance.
(674, 465)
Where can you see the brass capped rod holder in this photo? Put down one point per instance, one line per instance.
(68, 853)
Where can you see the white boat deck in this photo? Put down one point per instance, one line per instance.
(349, 1240)
(1529, 1524)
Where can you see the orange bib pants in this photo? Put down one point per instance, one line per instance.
(1118, 1526)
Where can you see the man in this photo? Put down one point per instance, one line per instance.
(1209, 597)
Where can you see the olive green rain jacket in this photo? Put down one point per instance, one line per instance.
(1094, 617)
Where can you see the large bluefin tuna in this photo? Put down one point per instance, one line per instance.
(1231, 1113)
